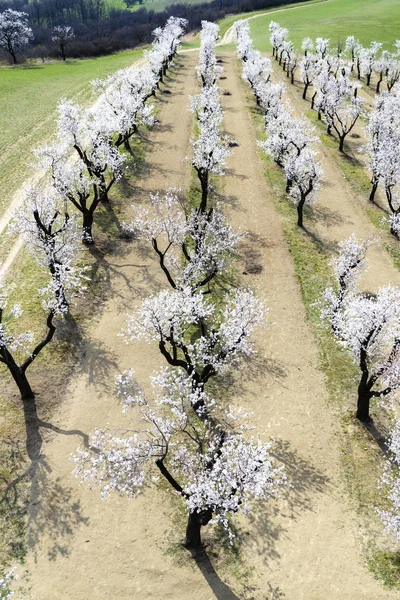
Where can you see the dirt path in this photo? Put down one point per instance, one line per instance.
(304, 547)
(82, 547)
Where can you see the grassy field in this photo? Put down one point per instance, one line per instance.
(367, 20)
(28, 100)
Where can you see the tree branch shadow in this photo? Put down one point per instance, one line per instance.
(48, 504)
(219, 588)
(305, 481)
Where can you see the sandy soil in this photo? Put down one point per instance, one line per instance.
(308, 547)
(303, 546)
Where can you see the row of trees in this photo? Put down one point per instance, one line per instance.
(196, 440)
(289, 140)
(335, 91)
(335, 97)
(383, 151)
(368, 327)
(82, 165)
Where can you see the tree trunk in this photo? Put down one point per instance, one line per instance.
(22, 383)
(204, 190)
(341, 144)
(300, 213)
(313, 100)
(373, 190)
(378, 85)
(87, 237)
(368, 79)
(193, 528)
(306, 85)
(364, 397)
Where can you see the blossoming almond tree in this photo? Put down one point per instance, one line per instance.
(123, 102)
(192, 247)
(211, 147)
(17, 350)
(303, 174)
(208, 69)
(341, 108)
(367, 326)
(383, 146)
(215, 469)
(14, 32)
(62, 35)
(169, 318)
(90, 135)
(53, 239)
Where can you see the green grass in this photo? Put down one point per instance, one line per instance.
(367, 20)
(28, 100)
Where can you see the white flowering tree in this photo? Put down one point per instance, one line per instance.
(123, 102)
(303, 174)
(52, 237)
(169, 318)
(87, 180)
(15, 33)
(352, 47)
(208, 69)
(383, 143)
(278, 38)
(62, 36)
(244, 44)
(165, 45)
(367, 60)
(17, 350)
(211, 147)
(390, 482)
(192, 247)
(207, 461)
(340, 107)
(308, 71)
(367, 326)
(322, 48)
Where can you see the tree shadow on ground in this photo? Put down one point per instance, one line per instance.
(48, 503)
(219, 588)
(306, 481)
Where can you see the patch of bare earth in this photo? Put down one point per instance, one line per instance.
(303, 545)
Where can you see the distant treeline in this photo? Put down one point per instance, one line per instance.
(100, 31)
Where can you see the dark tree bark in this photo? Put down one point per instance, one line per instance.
(374, 187)
(378, 85)
(18, 372)
(313, 100)
(193, 529)
(306, 86)
(363, 401)
(300, 207)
